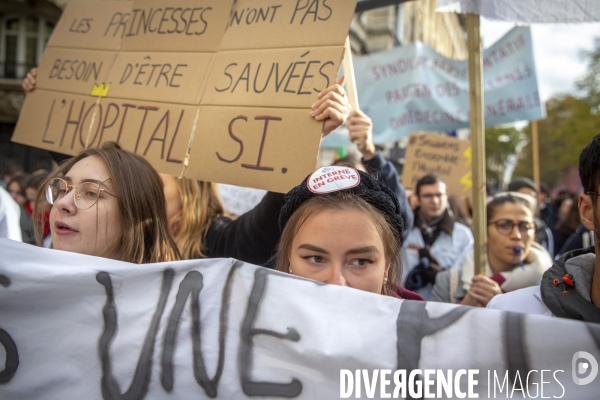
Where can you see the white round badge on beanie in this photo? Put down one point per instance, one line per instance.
(332, 179)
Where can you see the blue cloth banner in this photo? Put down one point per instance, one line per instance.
(413, 88)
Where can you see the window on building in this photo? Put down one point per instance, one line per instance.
(22, 42)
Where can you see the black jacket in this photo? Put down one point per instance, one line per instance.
(252, 238)
(386, 173)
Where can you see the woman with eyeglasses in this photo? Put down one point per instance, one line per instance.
(515, 260)
(108, 202)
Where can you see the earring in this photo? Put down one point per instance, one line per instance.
(290, 270)
(385, 280)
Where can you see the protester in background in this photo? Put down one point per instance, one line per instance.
(435, 241)
(191, 208)
(360, 130)
(565, 206)
(32, 187)
(543, 233)
(562, 196)
(9, 217)
(548, 211)
(348, 235)
(515, 260)
(16, 188)
(10, 172)
(457, 207)
(571, 287)
(107, 202)
(566, 226)
(199, 226)
(581, 239)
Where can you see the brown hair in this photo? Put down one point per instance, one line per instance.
(342, 200)
(510, 197)
(141, 200)
(571, 221)
(200, 205)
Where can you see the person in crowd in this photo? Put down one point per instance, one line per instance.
(11, 171)
(32, 188)
(107, 202)
(435, 241)
(199, 226)
(564, 206)
(515, 260)
(543, 232)
(348, 233)
(582, 238)
(458, 207)
(9, 217)
(16, 188)
(548, 211)
(360, 130)
(566, 226)
(571, 287)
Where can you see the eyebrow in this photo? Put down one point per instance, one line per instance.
(312, 248)
(99, 183)
(359, 250)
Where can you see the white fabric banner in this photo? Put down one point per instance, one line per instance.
(527, 11)
(80, 327)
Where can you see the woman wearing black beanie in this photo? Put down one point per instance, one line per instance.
(341, 226)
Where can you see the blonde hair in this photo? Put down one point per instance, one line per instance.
(343, 200)
(200, 205)
(141, 202)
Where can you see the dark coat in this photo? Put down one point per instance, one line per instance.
(251, 238)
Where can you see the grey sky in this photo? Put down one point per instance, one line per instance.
(556, 49)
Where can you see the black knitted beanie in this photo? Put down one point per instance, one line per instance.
(367, 188)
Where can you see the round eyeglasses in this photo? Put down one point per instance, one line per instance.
(505, 226)
(86, 194)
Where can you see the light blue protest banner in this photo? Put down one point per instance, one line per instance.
(413, 88)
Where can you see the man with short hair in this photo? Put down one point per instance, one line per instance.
(571, 287)
(435, 242)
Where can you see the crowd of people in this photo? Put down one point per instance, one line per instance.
(369, 234)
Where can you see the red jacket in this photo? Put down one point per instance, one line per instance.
(402, 293)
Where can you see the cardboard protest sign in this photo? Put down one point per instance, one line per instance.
(86, 24)
(447, 157)
(81, 327)
(413, 88)
(174, 25)
(139, 75)
(272, 77)
(169, 79)
(247, 140)
(74, 69)
(306, 23)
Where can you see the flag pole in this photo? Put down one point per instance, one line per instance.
(477, 124)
